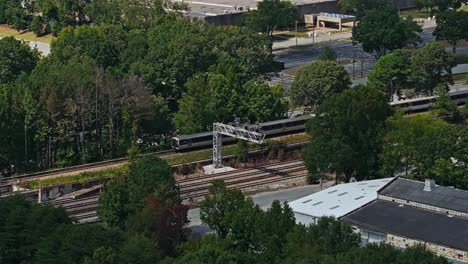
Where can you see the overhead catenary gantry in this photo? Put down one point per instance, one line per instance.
(235, 131)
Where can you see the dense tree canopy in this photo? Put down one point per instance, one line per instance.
(16, 58)
(346, 134)
(431, 66)
(382, 30)
(391, 73)
(109, 87)
(216, 98)
(451, 26)
(435, 6)
(318, 81)
(423, 147)
(270, 15)
(359, 8)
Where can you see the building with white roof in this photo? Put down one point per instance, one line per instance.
(336, 201)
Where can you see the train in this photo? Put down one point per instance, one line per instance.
(298, 124)
(271, 129)
(423, 104)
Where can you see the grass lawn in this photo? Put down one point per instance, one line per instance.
(6, 31)
(78, 178)
(461, 78)
(414, 13)
(463, 8)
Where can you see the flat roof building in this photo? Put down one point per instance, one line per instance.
(229, 12)
(408, 212)
(336, 201)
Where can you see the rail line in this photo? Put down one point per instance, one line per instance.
(6, 183)
(84, 210)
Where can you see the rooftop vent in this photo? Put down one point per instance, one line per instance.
(306, 201)
(334, 207)
(429, 185)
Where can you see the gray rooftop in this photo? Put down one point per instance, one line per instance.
(410, 222)
(440, 196)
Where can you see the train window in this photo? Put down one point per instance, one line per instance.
(183, 142)
(277, 126)
(423, 102)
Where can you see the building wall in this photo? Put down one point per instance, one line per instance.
(304, 219)
(403, 242)
(423, 206)
(444, 251)
(225, 19)
(312, 8)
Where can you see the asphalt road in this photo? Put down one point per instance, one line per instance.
(347, 53)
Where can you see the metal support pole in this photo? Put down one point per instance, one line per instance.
(217, 147)
(313, 36)
(296, 33)
(234, 131)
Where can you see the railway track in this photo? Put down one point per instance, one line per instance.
(244, 179)
(84, 210)
(6, 183)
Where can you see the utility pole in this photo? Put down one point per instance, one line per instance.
(235, 131)
(296, 33)
(313, 36)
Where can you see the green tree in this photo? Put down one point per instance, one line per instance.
(163, 222)
(321, 242)
(346, 134)
(104, 44)
(277, 222)
(139, 249)
(270, 15)
(197, 110)
(451, 26)
(24, 225)
(391, 73)
(210, 250)
(113, 209)
(250, 229)
(318, 81)
(359, 8)
(419, 254)
(423, 147)
(150, 175)
(102, 255)
(437, 6)
(242, 150)
(36, 26)
(327, 53)
(261, 102)
(431, 66)
(217, 98)
(16, 58)
(333, 236)
(444, 107)
(219, 206)
(74, 243)
(383, 30)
